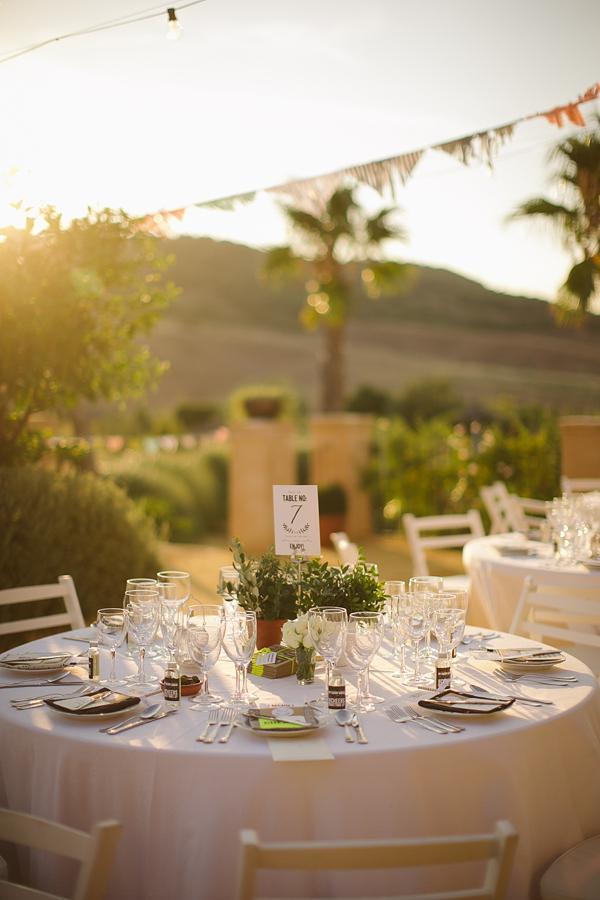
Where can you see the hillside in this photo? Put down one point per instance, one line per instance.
(230, 327)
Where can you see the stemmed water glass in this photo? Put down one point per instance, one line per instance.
(427, 585)
(361, 642)
(239, 642)
(112, 628)
(229, 580)
(414, 617)
(142, 613)
(205, 628)
(449, 628)
(327, 627)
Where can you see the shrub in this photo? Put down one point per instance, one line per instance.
(72, 524)
(185, 492)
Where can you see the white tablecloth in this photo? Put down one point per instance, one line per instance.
(183, 803)
(497, 579)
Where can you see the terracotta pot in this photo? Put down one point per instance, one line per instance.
(329, 523)
(268, 632)
(263, 407)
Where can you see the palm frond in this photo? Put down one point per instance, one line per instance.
(574, 297)
(281, 263)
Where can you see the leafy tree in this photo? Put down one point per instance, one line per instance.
(331, 245)
(73, 302)
(577, 220)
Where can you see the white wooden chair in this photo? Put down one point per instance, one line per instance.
(64, 588)
(459, 529)
(497, 848)
(347, 552)
(575, 875)
(579, 485)
(95, 852)
(562, 615)
(509, 512)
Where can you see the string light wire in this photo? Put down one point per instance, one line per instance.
(150, 13)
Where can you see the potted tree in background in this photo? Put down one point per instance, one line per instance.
(333, 505)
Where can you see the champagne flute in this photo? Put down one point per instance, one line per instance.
(400, 634)
(239, 642)
(362, 640)
(111, 626)
(427, 584)
(393, 589)
(171, 619)
(205, 627)
(141, 617)
(136, 584)
(327, 626)
(167, 593)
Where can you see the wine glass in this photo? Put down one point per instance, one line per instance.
(135, 584)
(171, 618)
(239, 642)
(205, 627)
(427, 584)
(401, 636)
(142, 613)
(362, 640)
(393, 589)
(327, 626)
(229, 580)
(448, 627)
(111, 626)
(414, 616)
(181, 579)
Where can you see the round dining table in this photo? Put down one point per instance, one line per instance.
(497, 566)
(182, 803)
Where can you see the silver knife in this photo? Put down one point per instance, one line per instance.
(359, 732)
(117, 729)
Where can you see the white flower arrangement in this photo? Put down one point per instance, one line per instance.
(295, 633)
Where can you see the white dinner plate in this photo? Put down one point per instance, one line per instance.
(590, 563)
(120, 704)
(35, 662)
(531, 665)
(296, 712)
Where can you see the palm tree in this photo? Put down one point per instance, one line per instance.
(577, 219)
(331, 245)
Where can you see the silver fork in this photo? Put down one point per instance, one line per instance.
(213, 718)
(399, 716)
(39, 701)
(232, 725)
(446, 726)
(226, 719)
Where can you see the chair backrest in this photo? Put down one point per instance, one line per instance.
(64, 588)
(461, 528)
(509, 512)
(95, 852)
(579, 485)
(564, 615)
(347, 552)
(497, 848)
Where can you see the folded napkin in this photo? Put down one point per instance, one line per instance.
(35, 660)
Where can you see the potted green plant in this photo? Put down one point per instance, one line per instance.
(332, 511)
(267, 585)
(354, 588)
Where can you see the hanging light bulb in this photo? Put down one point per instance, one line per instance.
(174, 28)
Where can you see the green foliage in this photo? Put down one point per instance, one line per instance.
(73, 303)
(184, 492)
(356, 589)
(196, 416)
(332, 499)
(424, 400)
(437, 469)
(369, 399)
(72, 524)
(268, 584)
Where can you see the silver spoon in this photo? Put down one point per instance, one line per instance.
(148, 713)
(344, 717)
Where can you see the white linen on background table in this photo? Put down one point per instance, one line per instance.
(183, 803)
(497, 580)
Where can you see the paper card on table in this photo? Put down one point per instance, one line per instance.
(296, 519)
(306, 749)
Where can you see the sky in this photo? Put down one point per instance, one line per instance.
(259, 92)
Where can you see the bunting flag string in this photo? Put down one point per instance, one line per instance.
(383, 173)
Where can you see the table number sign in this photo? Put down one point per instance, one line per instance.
(296, 516)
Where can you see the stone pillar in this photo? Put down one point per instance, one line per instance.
(263, 453)
(580, 446)
(340, 449)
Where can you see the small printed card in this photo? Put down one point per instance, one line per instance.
(296, 519)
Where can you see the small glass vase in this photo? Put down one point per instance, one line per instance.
(305, 665)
